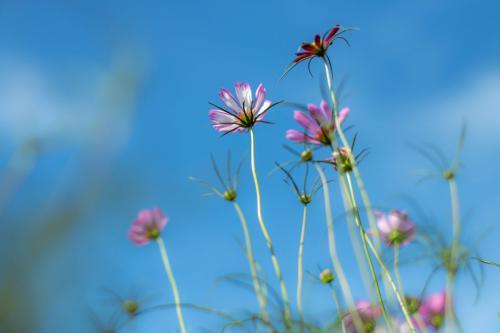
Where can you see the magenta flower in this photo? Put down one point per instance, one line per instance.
(433, 309)
(318, 47)
(368, 315)
(242, 112)
(395, 228)
(147, 226)
(318, 124)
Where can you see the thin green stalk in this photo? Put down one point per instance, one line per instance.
(396, 269)
(170, 274)
(344, 285)
(284, 293)
(339, 309)
(352, 204)
(455, 248)
(299, 267)
(393, 286)
(251, 261)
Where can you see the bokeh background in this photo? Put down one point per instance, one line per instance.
(103, 111)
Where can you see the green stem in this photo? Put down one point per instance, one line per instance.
(339, 309)
(299, 267)
(344, 285)
(170, 274)
(277, 270)
(455, 248)
(396, 269)
(251, 261)
(353, 206)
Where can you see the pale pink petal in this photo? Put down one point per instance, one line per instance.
(325, 108)
(244, 94)
(229, 100)
(265, 106)
(300, 137)
(306, 122)
(260, 96)
(343, 114)
(317, 114)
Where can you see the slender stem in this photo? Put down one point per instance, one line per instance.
(393, 286)
(339, 309)
(284, 293)
(353, 206)
(168, 270)
(344, 285)
(251, 261)
(299, 266)
(396, 268)
(454, 257)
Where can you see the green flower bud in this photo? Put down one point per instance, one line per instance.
(229, 195)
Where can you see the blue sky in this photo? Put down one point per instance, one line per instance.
(414, 73)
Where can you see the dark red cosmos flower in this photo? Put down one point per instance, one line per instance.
(318, 47)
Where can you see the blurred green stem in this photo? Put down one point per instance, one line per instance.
(353, 207)
(454, 256)
(173, 284)
(337, 305)
(284, 293)
(344, 285)
(251, 261)
(299, 267)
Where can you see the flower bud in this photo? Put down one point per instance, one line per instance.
(130, 307)
(306, 155)
(305, 199)
(342, 160)
(230, 195)
(326, 276)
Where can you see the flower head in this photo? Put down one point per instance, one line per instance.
(368, 315)
(341, 159)
(318, 124)
(318, 47)
(147, 226)
(240, 113)
(326, 276)
(433, 309)
(395, 227)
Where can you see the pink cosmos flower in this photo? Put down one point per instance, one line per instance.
(395, 227)
(242, 112)
(318, 47)
(368, 315)
(318, 124)
(147, 226)
(433, 309)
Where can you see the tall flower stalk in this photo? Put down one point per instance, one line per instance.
(173, 284)
(148, 227)
(455, 248)
(351, 203)
(344, 285)
(265, 232)
(300, 271)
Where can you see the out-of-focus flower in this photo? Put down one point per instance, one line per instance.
(433, 309)
(318, 47)
(368, 315)
(341, 159)
(318, 124)
(395, 228)
(147, 226)
(326, 276)
(240, 113)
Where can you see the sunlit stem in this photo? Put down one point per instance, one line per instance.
(277, 270)
(348, 189)
(170, 275)
(251, 261)
(344, 285)
(299, 266)
(339, 309)
(396, 270)
(454, 256)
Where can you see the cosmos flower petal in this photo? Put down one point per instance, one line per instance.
(260, 96)
(229, 100)
(244, 94)
(305, 121)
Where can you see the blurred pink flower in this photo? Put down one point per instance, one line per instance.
(147, 226)
(433, 309)
(368, 315)
(318, 47)
(242, 112)
(318, 124)
(395, 227)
